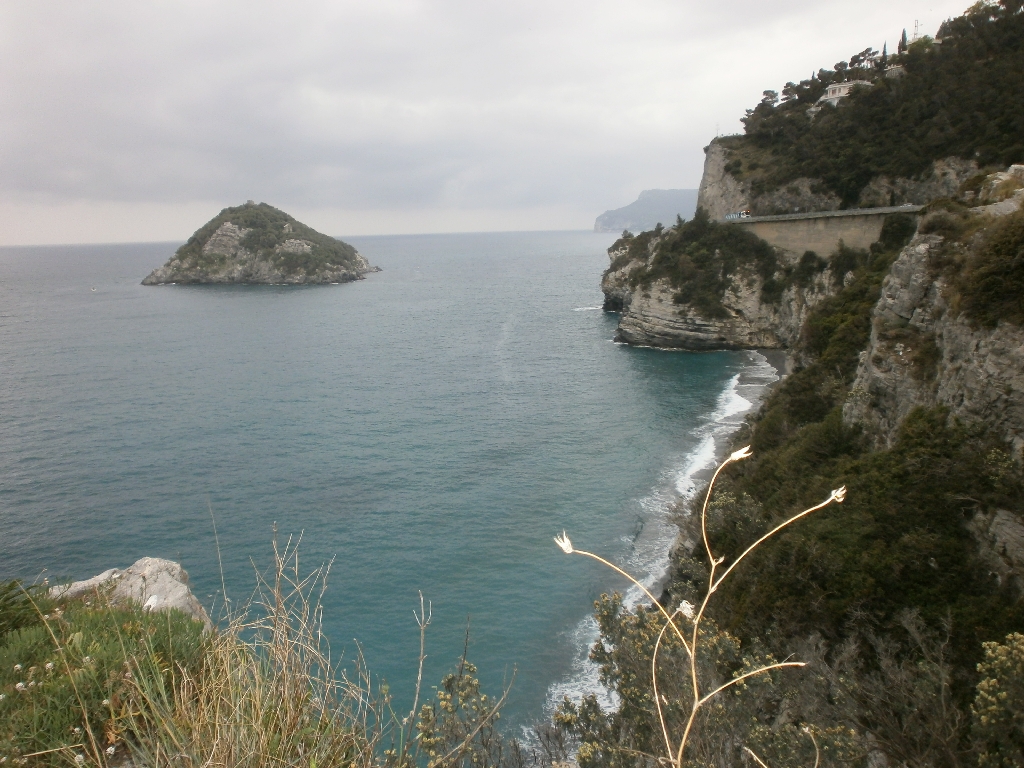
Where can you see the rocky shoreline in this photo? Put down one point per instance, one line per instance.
(754, 385)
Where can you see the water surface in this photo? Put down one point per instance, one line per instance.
(429, 428)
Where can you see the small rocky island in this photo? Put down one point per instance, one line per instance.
(256, 243)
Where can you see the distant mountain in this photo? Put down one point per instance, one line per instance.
(654, 206)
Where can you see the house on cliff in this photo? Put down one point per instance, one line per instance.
(835, 93)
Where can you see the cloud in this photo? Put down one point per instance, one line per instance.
(397, 107)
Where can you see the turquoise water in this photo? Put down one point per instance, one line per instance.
(430, 428)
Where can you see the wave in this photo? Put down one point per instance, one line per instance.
(587, 309)
(651, 545)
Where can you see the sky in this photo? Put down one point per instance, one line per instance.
(128, 121)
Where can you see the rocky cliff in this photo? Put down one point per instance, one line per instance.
(651, 316)
(926, 351)
(922, 353)
(734, 181)
(920, 350)
(260, 244)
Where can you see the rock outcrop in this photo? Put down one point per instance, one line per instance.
(922, 353)
(1000, 537)
(723, 191)
(153, 583)
(651, 317)
(720, 192)
(943, 179)
(260, 244)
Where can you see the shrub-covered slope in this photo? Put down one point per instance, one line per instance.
(907, 601)
(960, 98)
(904, 600)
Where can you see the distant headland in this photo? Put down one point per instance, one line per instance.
(256, 243)
(653, 207)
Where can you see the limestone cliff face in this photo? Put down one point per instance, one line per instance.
(921, 353)
(1000, 537)
(944, 179)
(651, 317)
(260, 244)
(722, 192)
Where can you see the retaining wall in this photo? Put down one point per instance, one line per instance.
(821, 231)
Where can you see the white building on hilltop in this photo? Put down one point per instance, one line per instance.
(835, 92)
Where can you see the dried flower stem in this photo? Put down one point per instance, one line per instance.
(646, 591)
(654, 682)
(714, 582)
(753, 754)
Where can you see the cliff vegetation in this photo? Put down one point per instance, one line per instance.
(893, 600)
(956, 98)
(92, 681)
(905, 389)
(698, 258)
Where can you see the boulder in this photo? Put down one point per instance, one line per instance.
(154, 583)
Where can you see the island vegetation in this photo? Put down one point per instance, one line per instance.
(257, 243)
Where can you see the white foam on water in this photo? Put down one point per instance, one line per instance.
(648, 559)
(731, 402)
(702, 456)
(587, 309)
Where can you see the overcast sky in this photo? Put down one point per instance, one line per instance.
(133, 121)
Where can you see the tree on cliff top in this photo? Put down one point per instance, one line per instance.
(957, 99)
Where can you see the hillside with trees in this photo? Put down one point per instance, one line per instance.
(957, 95)
(891, 618)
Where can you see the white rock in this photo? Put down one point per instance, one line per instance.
(157, 584)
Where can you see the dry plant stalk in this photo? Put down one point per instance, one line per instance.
(268, 693)
(694, 614)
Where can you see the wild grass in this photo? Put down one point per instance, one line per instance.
(267, 691)
(91, 683)
(67, 679)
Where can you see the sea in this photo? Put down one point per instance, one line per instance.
(429, 430)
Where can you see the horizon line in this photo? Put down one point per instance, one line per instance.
(336, 237)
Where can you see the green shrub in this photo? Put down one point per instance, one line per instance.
(20, 605)
(898, 542)
(999, 706)
(992, 286)
(67, 679)
(809, 267)
(699, 257)
(633, 247)
(460, 726)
